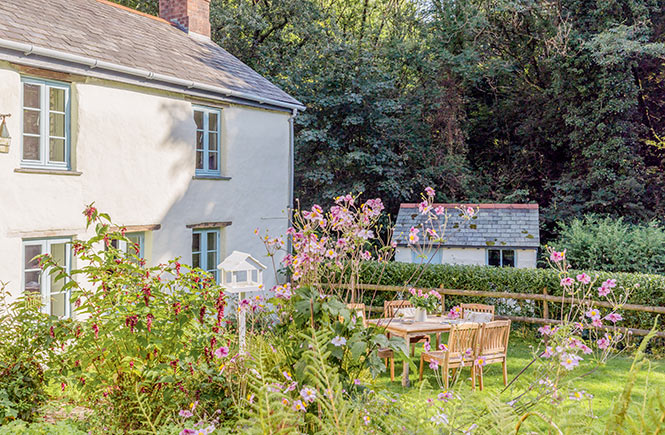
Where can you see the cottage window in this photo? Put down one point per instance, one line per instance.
(45, 125)
(208, 141)
(501, 257)
(39, 282)
(136, 240)
(205, 250)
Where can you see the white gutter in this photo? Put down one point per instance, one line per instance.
(29, 49)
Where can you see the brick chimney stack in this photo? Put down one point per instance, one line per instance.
(193, 16)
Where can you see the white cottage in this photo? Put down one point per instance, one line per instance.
(502, 235)
(175, 138)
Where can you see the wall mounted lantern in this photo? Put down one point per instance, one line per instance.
(5, 138)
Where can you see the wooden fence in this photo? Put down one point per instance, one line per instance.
(545, 298)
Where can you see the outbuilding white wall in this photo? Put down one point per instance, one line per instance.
(526, 258)
(135, 149)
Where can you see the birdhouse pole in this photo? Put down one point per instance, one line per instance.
(241, 274)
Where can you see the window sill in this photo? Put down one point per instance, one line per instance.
(210, 177)
(47, 171)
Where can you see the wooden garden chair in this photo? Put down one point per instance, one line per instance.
(462, 337)
(390, 309)
(477, 308)
(493, 347)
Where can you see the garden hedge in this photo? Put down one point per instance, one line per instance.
(650, 290)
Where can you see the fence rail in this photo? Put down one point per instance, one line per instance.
(545, 298)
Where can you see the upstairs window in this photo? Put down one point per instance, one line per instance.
(208, 141)
(501, 257)
(205, 251)
(35, 281)
(45, 126)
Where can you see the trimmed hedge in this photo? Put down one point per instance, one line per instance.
(651, 290)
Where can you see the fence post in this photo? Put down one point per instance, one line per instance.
(546, 310)
(443, 300)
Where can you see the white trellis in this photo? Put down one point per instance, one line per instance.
(240, 274)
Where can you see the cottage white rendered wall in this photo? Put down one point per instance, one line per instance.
(135, 149)
(526, 258)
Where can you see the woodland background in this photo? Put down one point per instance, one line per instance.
(559, 102)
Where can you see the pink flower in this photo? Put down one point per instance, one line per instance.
(185, 413)
(597, 323)
(429, 191)
(603, 343)
(424, 207)
(549, 352)
(470, 211)
(413, 235)
(439, 210)
(557, 257)
(445, 396)
(585, 349)
(614, 317)
(603, 291)
(222, 352)
(366, 255)
(357, 382)
(567, 282)
(427, 346)
(593, 314)
(455, 312)
(569, 361)
(610, 283)
(546, 330)
(443, 347)
(584, 278)
(480, 361)
(433, 364)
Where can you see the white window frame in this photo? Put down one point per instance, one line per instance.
(44, 278)
(206, 171)
(487, 256)
(44, 124)
(124, 246)
(203, 251)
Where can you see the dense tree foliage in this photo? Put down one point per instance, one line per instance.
(555, 101)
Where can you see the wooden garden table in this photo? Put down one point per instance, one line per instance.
(401, 328)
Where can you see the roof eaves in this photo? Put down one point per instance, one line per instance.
(29, 49)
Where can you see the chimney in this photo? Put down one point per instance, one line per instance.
(192, 16)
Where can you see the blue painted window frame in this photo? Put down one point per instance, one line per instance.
(204, 250)
(44, 124)
(206, 151)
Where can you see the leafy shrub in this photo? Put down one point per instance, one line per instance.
(613, 245)
(21, 362)
(22, 428)
(647, 289)
(146, 341)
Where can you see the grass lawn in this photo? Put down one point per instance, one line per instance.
(606, 383)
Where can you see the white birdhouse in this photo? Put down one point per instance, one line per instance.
(241, 273)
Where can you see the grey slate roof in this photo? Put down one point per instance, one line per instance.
(496, 225)
(104, 31)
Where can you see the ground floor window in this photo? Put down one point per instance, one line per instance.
(205, 250)
(501, 257)
(135, 246)
(38, 282)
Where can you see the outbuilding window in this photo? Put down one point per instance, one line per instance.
(39, 282)
(208, 141)
(45, 138)
(501, 257)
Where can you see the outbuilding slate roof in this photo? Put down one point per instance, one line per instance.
(495, 225)
(101, 30)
